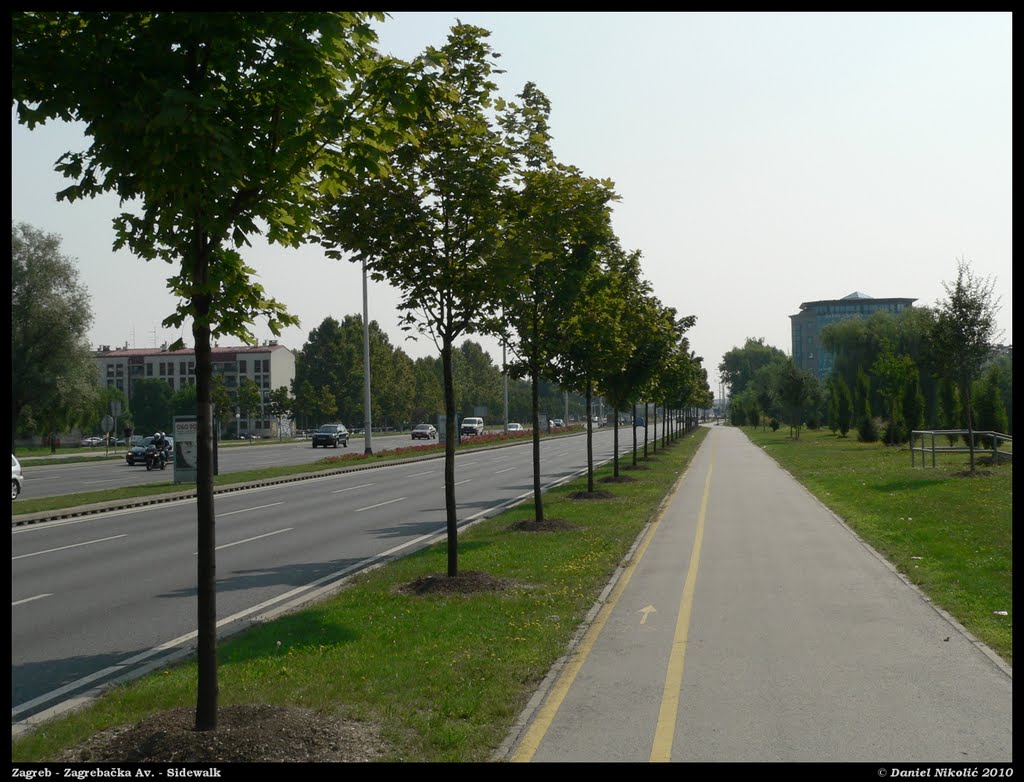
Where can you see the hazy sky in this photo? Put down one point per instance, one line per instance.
(763, 160)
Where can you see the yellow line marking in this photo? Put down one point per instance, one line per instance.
(546, 713)
(661, 751)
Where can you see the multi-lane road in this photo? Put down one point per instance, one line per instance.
(103, 596)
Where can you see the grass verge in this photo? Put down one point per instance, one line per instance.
(362, 654)
(949, 533)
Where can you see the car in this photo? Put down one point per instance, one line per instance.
(515, 428)
(92, 442)
(17, 479)
(424, 432)
(472, 427)
(640, 422)
(331, 434)
(557, 423)
(137, 452)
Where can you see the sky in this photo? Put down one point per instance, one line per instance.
(762, 160)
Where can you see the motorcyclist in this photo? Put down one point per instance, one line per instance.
(161, 445)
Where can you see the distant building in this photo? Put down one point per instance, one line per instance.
(269, 366)
(807, 324)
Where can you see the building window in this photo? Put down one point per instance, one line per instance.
(266, 365)
(181, 367)
(110, 370)
(149, 370)
(170, 367)
(120, 370)
(120, 384)
(191, 367)
(242, 369)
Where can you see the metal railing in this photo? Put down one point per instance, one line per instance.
(997, 438)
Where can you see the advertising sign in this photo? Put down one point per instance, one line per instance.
(186, 448)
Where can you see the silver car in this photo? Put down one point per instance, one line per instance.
(17, 479)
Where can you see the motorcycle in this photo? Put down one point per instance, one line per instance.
(156, 458)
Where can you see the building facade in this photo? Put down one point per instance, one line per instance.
(269, 366)
(807, 324)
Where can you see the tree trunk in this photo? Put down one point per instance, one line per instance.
(647, 420)
(634, 435)
(590, 439)
(615, 458)
(206, 707)
(538, 503)
(449, 458)
(970, 421)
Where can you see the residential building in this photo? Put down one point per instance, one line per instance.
(807, 324)
(269, 366)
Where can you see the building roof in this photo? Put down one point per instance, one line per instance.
(218, 352)
(855, 297)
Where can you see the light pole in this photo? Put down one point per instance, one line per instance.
(504, 368)
(368, 435)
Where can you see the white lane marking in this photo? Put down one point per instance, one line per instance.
(459, 483)
(249, 540)
(62, 548)
(30, 599)
(350, 488)
(418, 474)
(499, 472)
(246, 510)
(380, 504)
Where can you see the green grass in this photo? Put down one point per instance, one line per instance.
(949, 534)
(363, 653)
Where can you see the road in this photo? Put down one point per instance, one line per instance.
(102, 596)
(53, 480)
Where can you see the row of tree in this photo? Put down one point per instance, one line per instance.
(934, 368)
(221, 126)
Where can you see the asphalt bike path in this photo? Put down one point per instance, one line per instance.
(751, 625)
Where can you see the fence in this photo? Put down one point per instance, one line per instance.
(996, 437)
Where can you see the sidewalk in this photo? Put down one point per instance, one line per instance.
(752, 625)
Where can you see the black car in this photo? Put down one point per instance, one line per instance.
(331, 434)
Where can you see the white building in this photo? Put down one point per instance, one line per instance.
(269, 366)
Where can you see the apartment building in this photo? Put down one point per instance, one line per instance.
(269, 366)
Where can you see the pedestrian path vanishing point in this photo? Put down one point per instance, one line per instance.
(752, 625)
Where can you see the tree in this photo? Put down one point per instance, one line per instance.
(798, 390)
(280, 407)
(432, 229)
(557, 222)
(51, 360)
(893, 372)
(738, 366)
(913, 402)
(216, 126)
(250, 399)
(866, 430)
(989, 406)
(963, 335)
(844, 405)
(152, 405)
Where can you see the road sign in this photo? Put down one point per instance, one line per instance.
(107, 424)
(115, 407)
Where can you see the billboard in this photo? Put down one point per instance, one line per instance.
(186, 448)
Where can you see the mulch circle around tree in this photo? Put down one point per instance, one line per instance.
(547, 525)
(247, 733)
(592, 495)
(466, 582)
